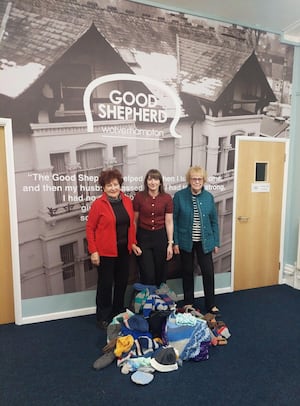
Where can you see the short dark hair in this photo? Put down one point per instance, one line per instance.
(108, 175)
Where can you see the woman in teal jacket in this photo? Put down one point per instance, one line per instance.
(196, 231)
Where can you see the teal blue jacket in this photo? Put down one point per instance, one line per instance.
(183, 216)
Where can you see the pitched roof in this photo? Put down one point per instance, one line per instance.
(36, 35)
(32, 42)
(207, 69)
(273, 126)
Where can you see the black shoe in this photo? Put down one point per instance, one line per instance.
(103, 324)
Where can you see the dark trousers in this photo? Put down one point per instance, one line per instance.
(152, 263)
(113, 275)
(207, 270)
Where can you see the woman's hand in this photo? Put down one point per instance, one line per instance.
(176, 249)
(169, 251)
(216, 250)
(136, 249)
(95, 258)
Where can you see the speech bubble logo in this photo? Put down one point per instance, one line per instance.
(133, 78)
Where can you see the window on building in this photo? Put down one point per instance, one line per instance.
(119, 154)
(261, 171)
(221, 155)
(226, 154)
(74, 79)
(58, 163)
(90, 272)
(226, 263)
(166, 156)
(231, 153)
(227, 220)
(68, 259)
(204, 150)
(218, 207)
(91, 164)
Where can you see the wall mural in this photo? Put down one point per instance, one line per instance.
(113, 83)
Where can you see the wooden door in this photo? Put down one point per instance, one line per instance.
(6, 274)
(258, 200)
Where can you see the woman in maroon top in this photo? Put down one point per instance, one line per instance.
(153, 211)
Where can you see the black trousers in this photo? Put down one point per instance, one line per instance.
(205, 262)
(113, 275)
(152, 263)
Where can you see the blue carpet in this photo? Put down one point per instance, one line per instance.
(50, 363)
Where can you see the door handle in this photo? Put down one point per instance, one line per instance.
(243, 219)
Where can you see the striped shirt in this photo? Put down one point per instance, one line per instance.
(196, 232)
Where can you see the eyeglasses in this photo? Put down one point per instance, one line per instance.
(196, 179)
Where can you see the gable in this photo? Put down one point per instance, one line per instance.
(166, 46)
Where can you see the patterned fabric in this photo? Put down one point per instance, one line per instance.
(143, 346)
(186, 339)
(150, 299)
(140, 300)
(164, 289)
(166, 298)
(196, 233)
(204, 352)
(154, 302)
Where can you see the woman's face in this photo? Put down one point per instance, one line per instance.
(153, 184)
(196, 182)
(112, 189)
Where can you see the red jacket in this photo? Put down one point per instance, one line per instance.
(101, 232)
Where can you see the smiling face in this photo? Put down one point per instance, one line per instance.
(196, 181)
(153, 185)
(112, 189)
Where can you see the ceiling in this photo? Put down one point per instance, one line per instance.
(277, 16)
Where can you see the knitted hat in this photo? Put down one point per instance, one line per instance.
(145, 345)
(165, 360)
(137, 323)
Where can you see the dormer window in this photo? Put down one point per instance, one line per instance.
(74, 79)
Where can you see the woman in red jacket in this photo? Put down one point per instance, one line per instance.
(111, 237)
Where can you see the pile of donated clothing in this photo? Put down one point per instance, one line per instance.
(156, 335)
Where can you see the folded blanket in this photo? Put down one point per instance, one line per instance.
(186, 338)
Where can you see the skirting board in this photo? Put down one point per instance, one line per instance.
(90, 310)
